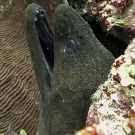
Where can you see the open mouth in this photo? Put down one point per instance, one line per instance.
(46, 37)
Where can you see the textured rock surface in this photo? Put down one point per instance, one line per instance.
(114, 16)
(19, 94)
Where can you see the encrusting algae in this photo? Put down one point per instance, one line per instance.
(114, 16)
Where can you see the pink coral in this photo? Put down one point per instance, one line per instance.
(118, 3)
(114, 14)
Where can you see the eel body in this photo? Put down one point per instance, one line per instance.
(81, 64)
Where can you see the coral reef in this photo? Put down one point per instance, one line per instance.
(19, 94)
(19, 98)
(112, 110)
(114, 16)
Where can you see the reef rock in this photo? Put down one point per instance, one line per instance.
(115, 16)
(112, 110)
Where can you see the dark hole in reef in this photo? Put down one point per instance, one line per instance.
(113, 44)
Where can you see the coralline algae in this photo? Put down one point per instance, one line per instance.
(112, 111)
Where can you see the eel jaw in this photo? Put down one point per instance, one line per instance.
(46, 37)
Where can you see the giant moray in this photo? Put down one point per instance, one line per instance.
(81, 64)
(19, 94)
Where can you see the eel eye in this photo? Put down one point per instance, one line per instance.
(70, 45)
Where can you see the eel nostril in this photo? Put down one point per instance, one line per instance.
(70, 45)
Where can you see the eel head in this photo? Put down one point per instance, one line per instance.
(69, 66)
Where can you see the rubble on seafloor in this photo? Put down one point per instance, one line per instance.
(114, 16)
(112, 110)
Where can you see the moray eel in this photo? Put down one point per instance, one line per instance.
(69, 66)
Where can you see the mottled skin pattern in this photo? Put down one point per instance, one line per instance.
(81, 64)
